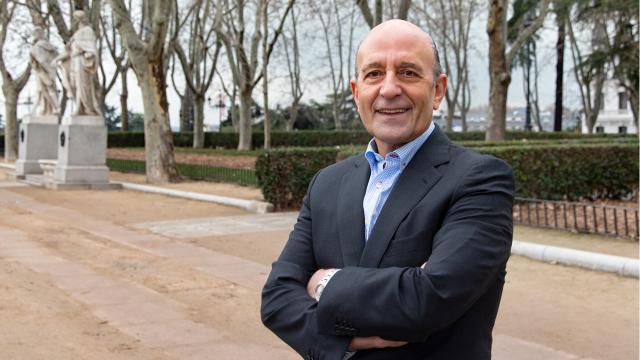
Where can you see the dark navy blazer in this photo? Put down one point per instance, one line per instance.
(450, 207)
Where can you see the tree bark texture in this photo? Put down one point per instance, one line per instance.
(147, 61)
(500, 76)
(557, 120)
(11, 124)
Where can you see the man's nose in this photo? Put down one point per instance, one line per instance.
(390, 87)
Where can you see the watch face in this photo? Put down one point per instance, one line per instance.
(319, 289)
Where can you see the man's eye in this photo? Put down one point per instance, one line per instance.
(408, 73)
(373, 74)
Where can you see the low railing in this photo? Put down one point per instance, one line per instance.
(193, 172)
(579, 217)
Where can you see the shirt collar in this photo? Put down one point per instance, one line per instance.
(405, 153)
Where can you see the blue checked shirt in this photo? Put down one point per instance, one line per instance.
(384, 173)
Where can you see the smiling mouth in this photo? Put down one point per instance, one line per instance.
(392, 111)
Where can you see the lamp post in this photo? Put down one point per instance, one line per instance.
(219, 104)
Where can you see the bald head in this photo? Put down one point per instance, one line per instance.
(395, 28)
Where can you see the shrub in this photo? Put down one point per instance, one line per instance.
(572, 171)
(284, 174)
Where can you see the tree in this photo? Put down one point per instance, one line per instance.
(11, 85)
(199, 61)
(232, 30)
(147, 55)
(500, 60)
(561, 12)
(624, 49)
(293, 68)
(451, 28)
(375, 18)
(590, 70)
(339, 56)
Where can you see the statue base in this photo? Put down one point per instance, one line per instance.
(82, 153)
(36, 140)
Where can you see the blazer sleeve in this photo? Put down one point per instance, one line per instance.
(286, 308)
(469, 252)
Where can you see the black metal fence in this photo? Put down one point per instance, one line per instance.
(194, 172)
(579, 217)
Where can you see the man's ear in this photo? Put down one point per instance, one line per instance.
(354, 91)
(440, 90)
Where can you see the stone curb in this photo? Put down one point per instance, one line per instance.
(589, 260)
(254, 206)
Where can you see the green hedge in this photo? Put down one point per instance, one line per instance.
(548, 171)
(572, 172)
(329, 138)
(284, 174)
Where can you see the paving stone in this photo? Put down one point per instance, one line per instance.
(222, 225)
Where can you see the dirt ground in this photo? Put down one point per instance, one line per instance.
(589, 314)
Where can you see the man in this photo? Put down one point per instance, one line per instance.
(400, 253)
(41, 57)
(79, 64)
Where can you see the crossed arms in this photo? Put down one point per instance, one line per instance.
(400, 304)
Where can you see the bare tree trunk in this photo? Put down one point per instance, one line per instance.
(265, 82)
(11, 124)
(147, 60)
(500, 76)
(557, 118)
(500, 62)
(124, 98)
(245, 122)
(198, 121)
(11, 87)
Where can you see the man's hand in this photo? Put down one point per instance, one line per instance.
(372, 342)
(315, 279)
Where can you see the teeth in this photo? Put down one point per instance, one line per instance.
(392, 111)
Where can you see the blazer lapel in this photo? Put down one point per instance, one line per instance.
(413, 184)
(350, 212)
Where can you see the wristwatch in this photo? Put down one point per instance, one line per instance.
(323, 283)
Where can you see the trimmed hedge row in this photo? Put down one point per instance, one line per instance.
(572, 172)
(549, 172)
(327, 138)
(284, 174)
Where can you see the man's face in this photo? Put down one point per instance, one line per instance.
(395, 91)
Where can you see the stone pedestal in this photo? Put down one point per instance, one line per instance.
(82, 153)
(37, 140)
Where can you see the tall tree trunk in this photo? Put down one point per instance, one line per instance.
(124, 98)
(336, 113)
(500, 77)
(147, 60)
(293, 115)
(245, 122)
(160, 162)
(450, 113)
(633, 99)
(198, 121)
(557, 119)
(265, 69)
(592, 114)
(11, 124)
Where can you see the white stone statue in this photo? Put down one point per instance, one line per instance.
(41, 58)
(79, 64)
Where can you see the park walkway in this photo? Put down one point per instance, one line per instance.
(186, 286)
